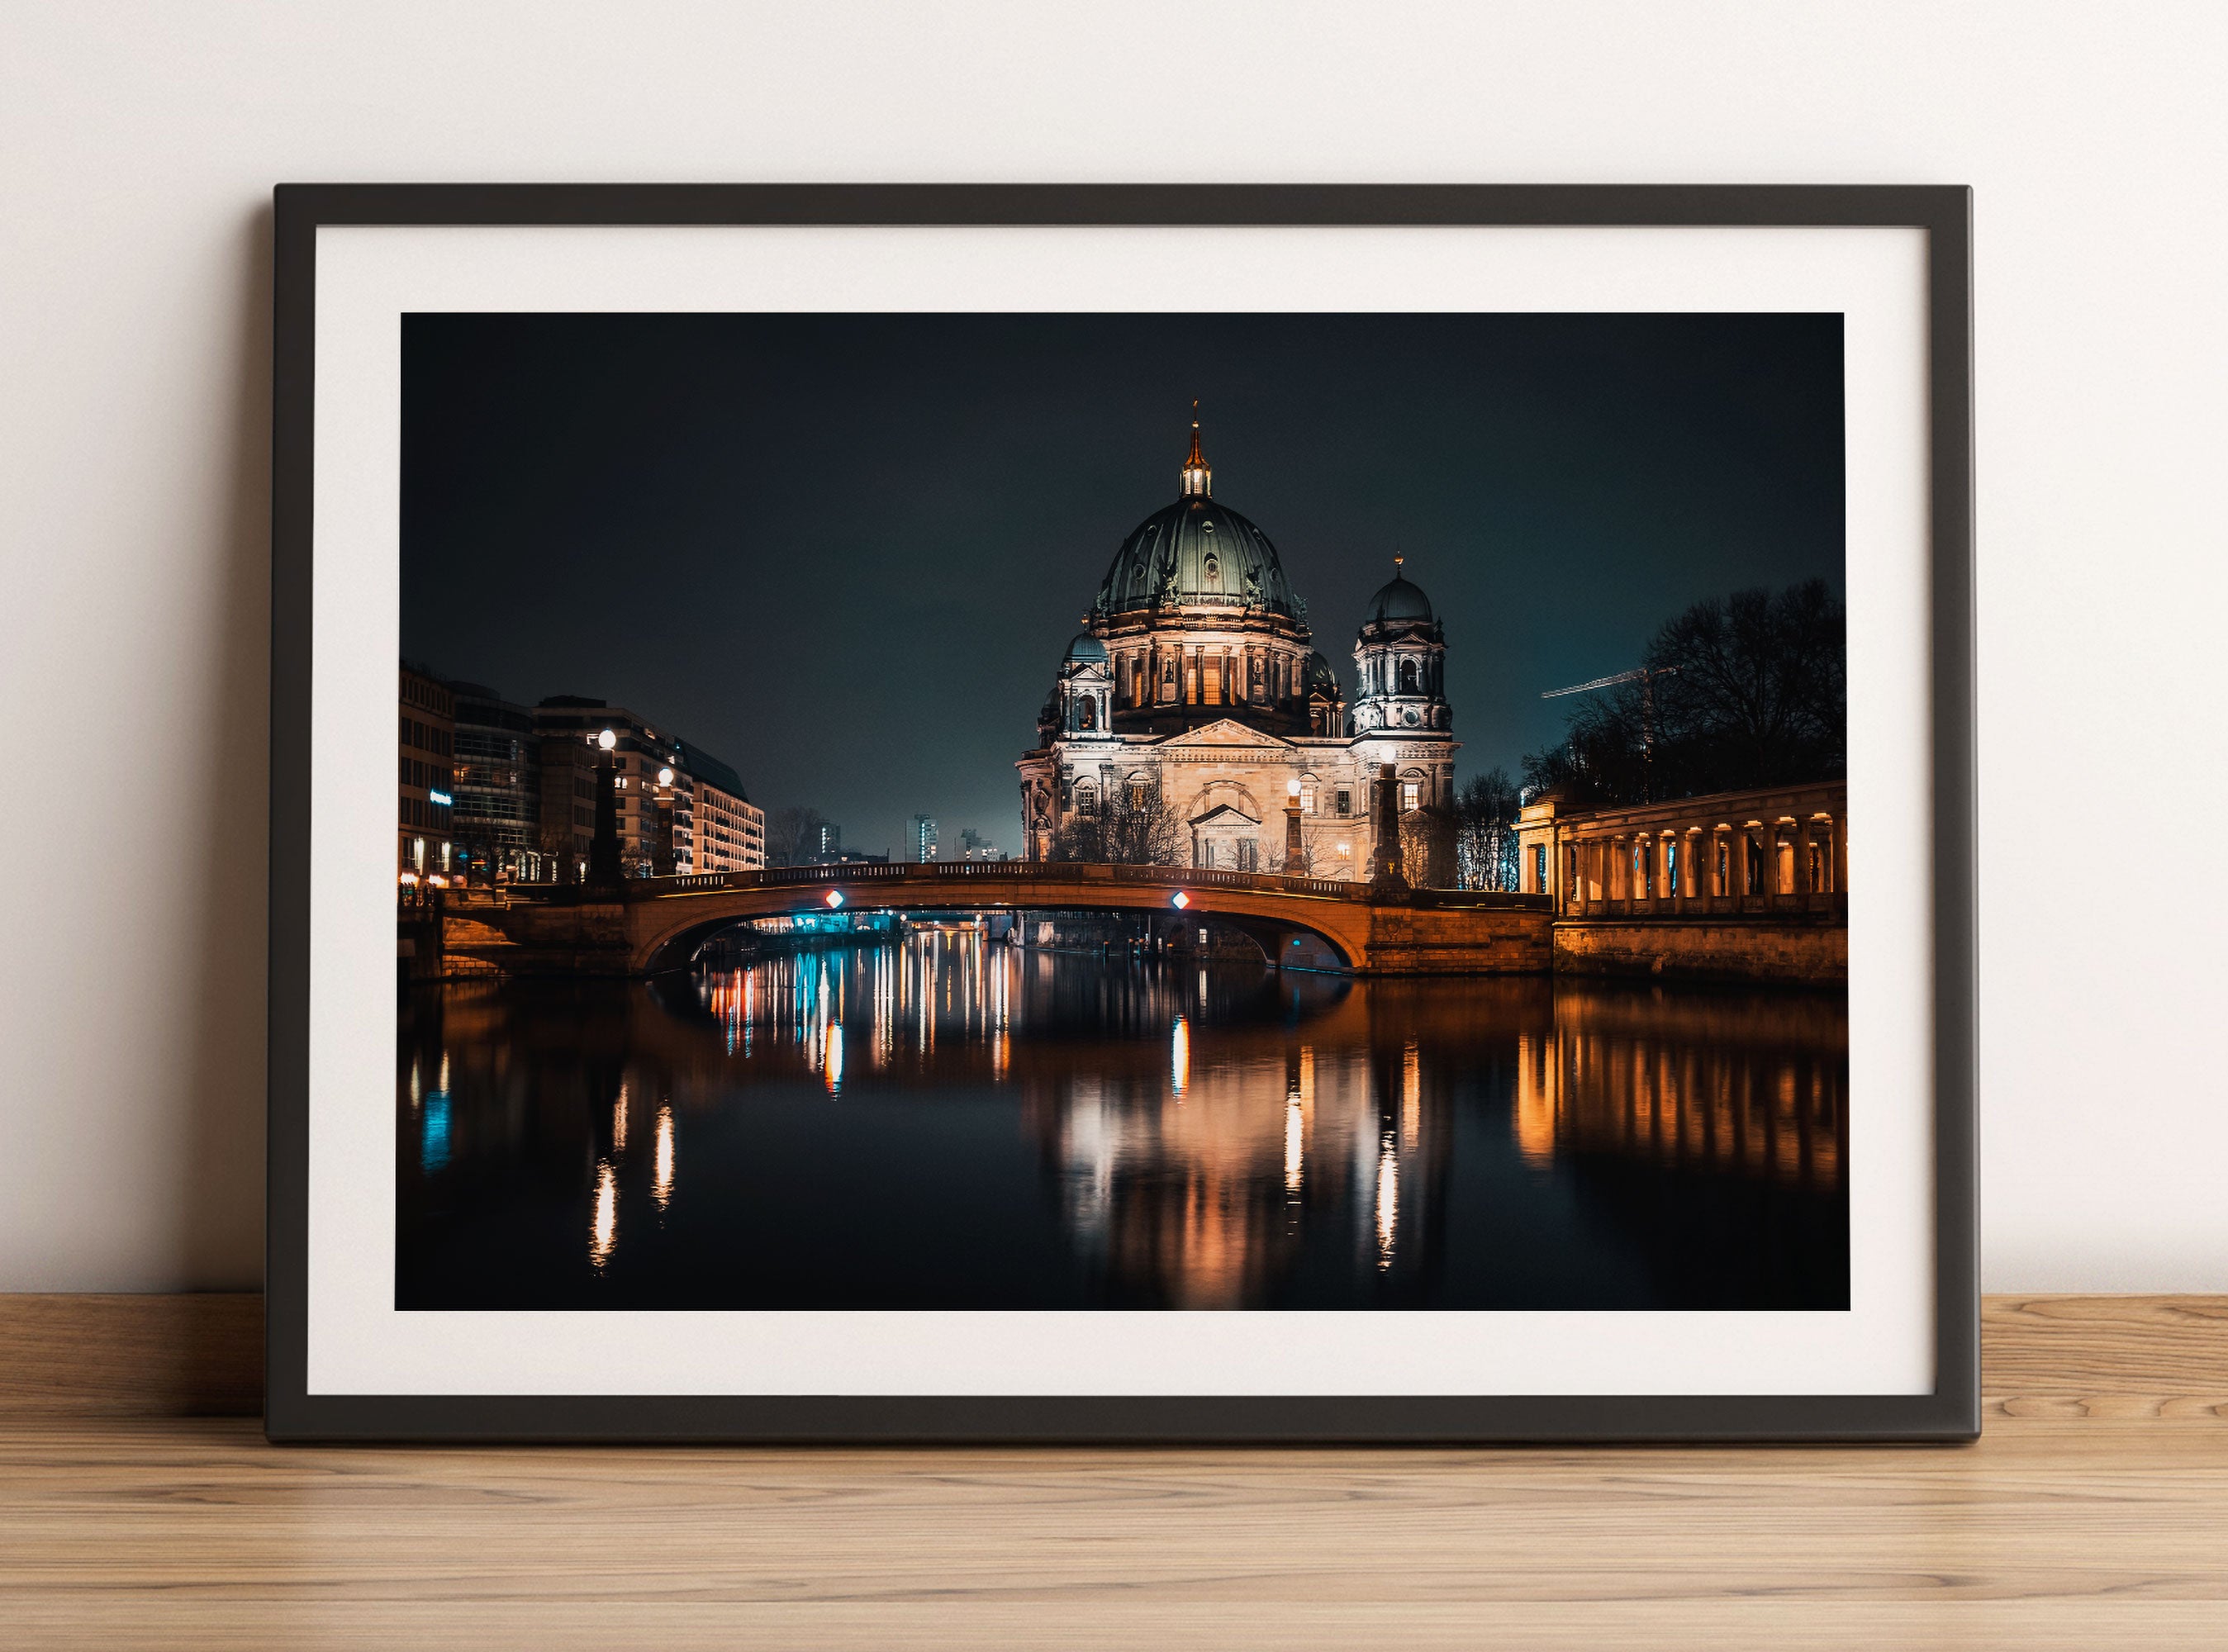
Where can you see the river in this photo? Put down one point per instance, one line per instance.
(946, 1122)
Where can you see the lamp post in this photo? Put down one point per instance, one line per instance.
(1295, 855)
(603, 847)
(662, 853)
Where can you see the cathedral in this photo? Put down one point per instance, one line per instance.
(1193, 702)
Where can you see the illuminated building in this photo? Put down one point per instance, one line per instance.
(497, 814)
(428, 742)
(729, 829)
(678, 810)
(1195, 691)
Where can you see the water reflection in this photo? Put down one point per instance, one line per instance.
(949, 1123)
(661, 1186)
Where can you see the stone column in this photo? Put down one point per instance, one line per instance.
(1805, 881)
(1389, 870)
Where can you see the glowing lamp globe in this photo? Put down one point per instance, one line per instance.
(665, 777)
(607, 739)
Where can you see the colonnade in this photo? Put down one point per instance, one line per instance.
(1768, 851)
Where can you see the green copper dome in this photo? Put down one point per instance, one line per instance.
(1399, 600)
(1196, 552)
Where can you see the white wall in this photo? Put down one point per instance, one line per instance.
(138, 146)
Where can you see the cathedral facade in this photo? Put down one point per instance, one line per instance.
(1195, 709)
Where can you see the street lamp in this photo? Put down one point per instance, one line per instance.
(663, 859)
(1294, 855)
(603, 847)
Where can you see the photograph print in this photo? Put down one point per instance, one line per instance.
(1122, 812)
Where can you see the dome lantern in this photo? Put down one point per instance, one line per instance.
(1198, 480)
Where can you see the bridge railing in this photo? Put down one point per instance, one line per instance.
(1081, 874)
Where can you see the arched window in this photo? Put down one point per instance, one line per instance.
(1407, 676)
(1086, 712)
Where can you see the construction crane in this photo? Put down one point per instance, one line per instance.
(1645, 676)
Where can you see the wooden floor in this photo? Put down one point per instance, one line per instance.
(2094, 1513)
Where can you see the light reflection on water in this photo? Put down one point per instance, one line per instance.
(949, 1123)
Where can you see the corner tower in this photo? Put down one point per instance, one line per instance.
(1399, 657)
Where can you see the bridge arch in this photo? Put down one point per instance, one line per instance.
(668, 922)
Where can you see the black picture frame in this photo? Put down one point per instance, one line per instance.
(1950, 1412)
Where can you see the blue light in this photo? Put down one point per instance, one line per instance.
(433, 1147)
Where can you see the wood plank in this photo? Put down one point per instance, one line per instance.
(197, 1354)
(2101, 1357)
(2073, 1523)
(2105, 1357)
(193, 1533)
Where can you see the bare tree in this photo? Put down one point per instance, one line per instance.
(1123, 831)
(1747, 690)
(1427, 847)
(1485, 832)
(792, 833)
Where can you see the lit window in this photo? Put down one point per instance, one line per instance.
(1307, 799)
(1411, 793)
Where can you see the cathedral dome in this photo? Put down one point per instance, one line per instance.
(1319, 674)
(1196, 552)
(1086, 649)
(1399, 600)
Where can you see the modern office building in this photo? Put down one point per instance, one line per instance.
(496, 815)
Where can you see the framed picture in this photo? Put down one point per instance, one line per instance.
(1122, 814)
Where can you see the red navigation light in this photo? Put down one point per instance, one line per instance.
(1180, 900)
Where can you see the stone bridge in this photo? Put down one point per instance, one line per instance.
(649, 925)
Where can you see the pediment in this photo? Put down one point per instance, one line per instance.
(1226, 733)
(1224, 815)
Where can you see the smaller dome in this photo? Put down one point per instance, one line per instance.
(1086, 649)
(1319, 674)
(1399, 600)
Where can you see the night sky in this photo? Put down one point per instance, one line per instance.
(845, 553)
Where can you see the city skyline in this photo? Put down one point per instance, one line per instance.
(845, 552)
